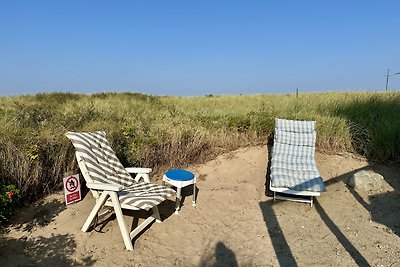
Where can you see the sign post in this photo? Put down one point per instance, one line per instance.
(72, 189)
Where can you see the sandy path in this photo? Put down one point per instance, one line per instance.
(234, 224)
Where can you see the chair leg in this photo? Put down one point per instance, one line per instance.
(99, 204)
(194, 195)
(107, 211)
(156, 214)
(178, 200)
(121, 221)
(141, 226)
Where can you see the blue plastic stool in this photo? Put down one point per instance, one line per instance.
(179, 179)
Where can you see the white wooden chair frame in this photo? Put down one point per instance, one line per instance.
(106, 195)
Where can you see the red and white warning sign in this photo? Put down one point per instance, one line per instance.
(72, 189)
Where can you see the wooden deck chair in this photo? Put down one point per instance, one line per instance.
(113, 186)
(294, 174)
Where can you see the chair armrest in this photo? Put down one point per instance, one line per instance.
(138, 170)
(101, 186)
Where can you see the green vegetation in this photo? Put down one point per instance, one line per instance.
(165, 132)
(8, 195)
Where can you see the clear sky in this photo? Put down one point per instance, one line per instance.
(198, 47)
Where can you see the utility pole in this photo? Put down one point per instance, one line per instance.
(387, 79)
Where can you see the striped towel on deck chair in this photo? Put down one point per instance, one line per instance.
(104, 167)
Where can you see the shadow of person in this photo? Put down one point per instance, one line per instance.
(221, 257)
(224, 256)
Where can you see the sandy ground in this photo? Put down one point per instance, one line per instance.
(234, 224)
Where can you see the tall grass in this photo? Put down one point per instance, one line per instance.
(166, 132)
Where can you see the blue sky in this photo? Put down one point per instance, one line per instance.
(198, 47)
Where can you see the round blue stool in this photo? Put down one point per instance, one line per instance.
(179, 179)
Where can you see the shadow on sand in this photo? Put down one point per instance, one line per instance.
(40, 215)
(41, 251)
(221, 256)
(279, 242)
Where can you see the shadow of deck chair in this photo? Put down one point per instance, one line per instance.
(113, 186)
(294, 174)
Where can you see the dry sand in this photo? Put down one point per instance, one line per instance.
(234, 223)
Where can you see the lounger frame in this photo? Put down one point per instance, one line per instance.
(302, 196)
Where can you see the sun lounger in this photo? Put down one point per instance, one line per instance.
(294, 174)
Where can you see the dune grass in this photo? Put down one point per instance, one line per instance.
(172, 132)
